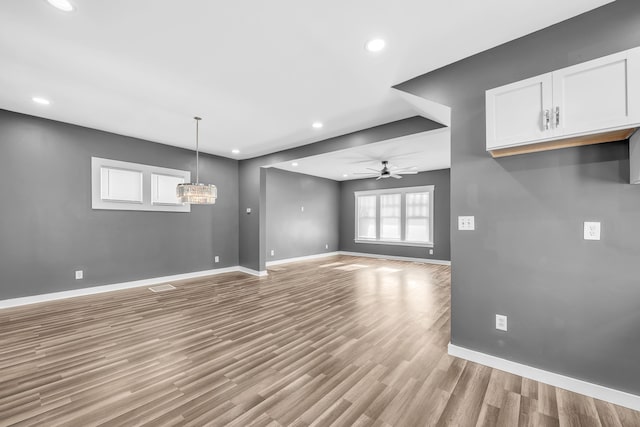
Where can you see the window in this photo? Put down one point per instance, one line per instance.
(399, 216)
(118, 185)
(389, 216)
(366, 217)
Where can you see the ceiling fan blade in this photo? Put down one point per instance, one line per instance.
(395, 176)
(405, 172)
(380, 177)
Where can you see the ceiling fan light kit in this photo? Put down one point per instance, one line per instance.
(197, 193)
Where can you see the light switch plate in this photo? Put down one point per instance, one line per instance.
(79, 274)
(466, 223)
(591, 231)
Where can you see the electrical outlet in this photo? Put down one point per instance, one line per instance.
(501, 322)
(248, 210)
(301, 208)
(326, 246)
(591, 231)
(216, 259)
(273, 252)
(79, 274)
(466, 223)
(430, 251)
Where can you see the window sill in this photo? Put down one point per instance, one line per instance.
(395, 243)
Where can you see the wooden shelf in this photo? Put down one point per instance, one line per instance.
(598, 138)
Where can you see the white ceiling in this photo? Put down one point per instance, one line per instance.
(421, 152)
(258, 72)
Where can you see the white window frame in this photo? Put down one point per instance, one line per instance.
(403, 217)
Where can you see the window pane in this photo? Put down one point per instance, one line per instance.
(390, 216)
(417, 230)
(366, 217)
(417, 224)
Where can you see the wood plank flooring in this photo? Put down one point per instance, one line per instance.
(340, 341)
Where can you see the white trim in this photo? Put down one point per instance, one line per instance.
(301, 258)
(397, 258)
(596, 391)
(15, 302)
(252, 272)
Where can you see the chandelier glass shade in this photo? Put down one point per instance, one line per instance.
(196, 193)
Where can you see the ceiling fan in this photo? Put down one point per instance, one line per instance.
(387, 172)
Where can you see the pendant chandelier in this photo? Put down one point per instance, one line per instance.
(197, 193)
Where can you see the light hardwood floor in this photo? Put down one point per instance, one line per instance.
(338, 341)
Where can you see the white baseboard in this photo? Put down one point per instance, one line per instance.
(301, 258)
(596, 391)
(15, 302)
(397, 258)
(252, 272)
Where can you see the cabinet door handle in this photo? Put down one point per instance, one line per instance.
(546, 118)
(557, 117)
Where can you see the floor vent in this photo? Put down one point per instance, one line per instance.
(162, 288)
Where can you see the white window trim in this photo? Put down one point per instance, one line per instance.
(403, 191)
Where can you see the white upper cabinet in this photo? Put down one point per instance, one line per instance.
(519, 112)
(597, 96)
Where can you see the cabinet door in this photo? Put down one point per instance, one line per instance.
(519, 112)
(597, 95)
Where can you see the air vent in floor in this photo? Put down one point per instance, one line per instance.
(162, 288)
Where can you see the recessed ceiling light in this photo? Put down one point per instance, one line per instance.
(294, 164)
(235, 151)
(375, 45)
(345, 175)
(63, 5)
(317, 125)
(40, 100)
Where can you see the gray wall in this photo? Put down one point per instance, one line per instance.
(252, 179)
(48, 229)
(290, 231)
(573, 305)
(441, 215)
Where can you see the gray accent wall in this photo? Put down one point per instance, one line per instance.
(291, 231)
(441, 215)
(573, 306)
(252, 179)
(48, 229)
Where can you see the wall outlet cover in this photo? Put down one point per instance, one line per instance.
(216, 259)
(273, 252)
(501, 322)
(591, 231)
(79, 274)
(248, 210)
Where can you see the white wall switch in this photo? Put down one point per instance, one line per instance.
(273, 252)
(216, 259)
(301, 208)
(501, 322)
(79, 274)
(591, 231)
(466, 223)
